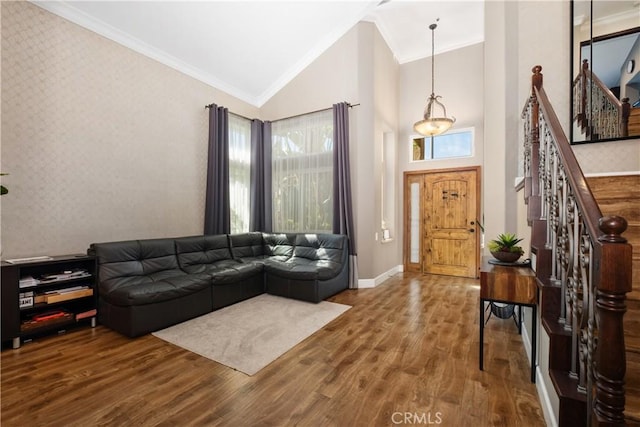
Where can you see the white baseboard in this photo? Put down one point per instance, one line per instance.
(372, 283)
(545, 401)
(526, 340)
(599, 174)
(541, 385)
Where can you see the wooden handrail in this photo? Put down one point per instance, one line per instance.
(589, 260)
(584, 197)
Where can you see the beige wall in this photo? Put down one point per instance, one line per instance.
(385, 88)
(331, 78)
(101, 143)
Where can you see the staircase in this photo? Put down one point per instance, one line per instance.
(620, 195)
(583, 263)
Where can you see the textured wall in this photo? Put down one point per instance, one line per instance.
(101, 143)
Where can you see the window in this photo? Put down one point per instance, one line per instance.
(449, 145)
(302, 173)
(388, 193)
(239, 172)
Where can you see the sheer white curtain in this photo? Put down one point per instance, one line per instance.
(239, 172)
(302, 173)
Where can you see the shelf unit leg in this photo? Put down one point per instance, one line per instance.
(93, 322)
(15, 343)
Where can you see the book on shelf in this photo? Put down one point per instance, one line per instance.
(67, 294)
(46, 319)
(65, 275)
(25, 299)
(28, 281)
(66, 290)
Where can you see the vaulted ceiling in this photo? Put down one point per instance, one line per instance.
(251, 49)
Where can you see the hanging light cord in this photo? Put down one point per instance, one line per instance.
(432, 27)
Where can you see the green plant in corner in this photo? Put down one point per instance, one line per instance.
(3, 189)
(506, 242)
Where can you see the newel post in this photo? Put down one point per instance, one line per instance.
(613, 281)
(536, 84)
(583, 93)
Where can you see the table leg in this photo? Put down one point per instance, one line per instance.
(481, 345)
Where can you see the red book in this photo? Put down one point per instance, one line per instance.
(86, 314)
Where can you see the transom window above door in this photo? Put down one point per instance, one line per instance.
(457, 143)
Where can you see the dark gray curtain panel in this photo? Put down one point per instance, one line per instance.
(217, 213)
(342, 205)
(260, 191)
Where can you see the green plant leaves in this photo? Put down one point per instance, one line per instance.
(506, 242)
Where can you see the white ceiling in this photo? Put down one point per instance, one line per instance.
(251, 49)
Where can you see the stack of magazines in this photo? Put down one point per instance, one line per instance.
(28, 281)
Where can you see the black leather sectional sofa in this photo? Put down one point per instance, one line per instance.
(147, 285)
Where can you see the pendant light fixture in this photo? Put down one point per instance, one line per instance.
(433, 123)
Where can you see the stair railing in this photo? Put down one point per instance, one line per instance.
(590, 260)
(596, 109)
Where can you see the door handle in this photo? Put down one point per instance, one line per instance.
(472, 230)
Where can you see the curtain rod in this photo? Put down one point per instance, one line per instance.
(235, 114)
(311, 112)
(290, 117)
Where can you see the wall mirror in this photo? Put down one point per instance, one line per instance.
(605, 70)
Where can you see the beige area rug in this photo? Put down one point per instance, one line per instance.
(249, 335)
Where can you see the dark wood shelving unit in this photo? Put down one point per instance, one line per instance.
(54, 305)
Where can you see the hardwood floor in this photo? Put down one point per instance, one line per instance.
(408, 346)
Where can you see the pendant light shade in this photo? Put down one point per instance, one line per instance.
(434, 122)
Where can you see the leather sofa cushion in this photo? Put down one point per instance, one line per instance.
(140, 290)
(226, 271)
(329, 247)
(247, 245)
(279, 245)
(303, 268)
(234, 273)
(196, 250)
(152, 257)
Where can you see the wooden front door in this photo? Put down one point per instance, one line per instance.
(449, 206)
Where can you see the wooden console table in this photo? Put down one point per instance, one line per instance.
(509, 285)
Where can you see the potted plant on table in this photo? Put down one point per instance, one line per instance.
(505, 247)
